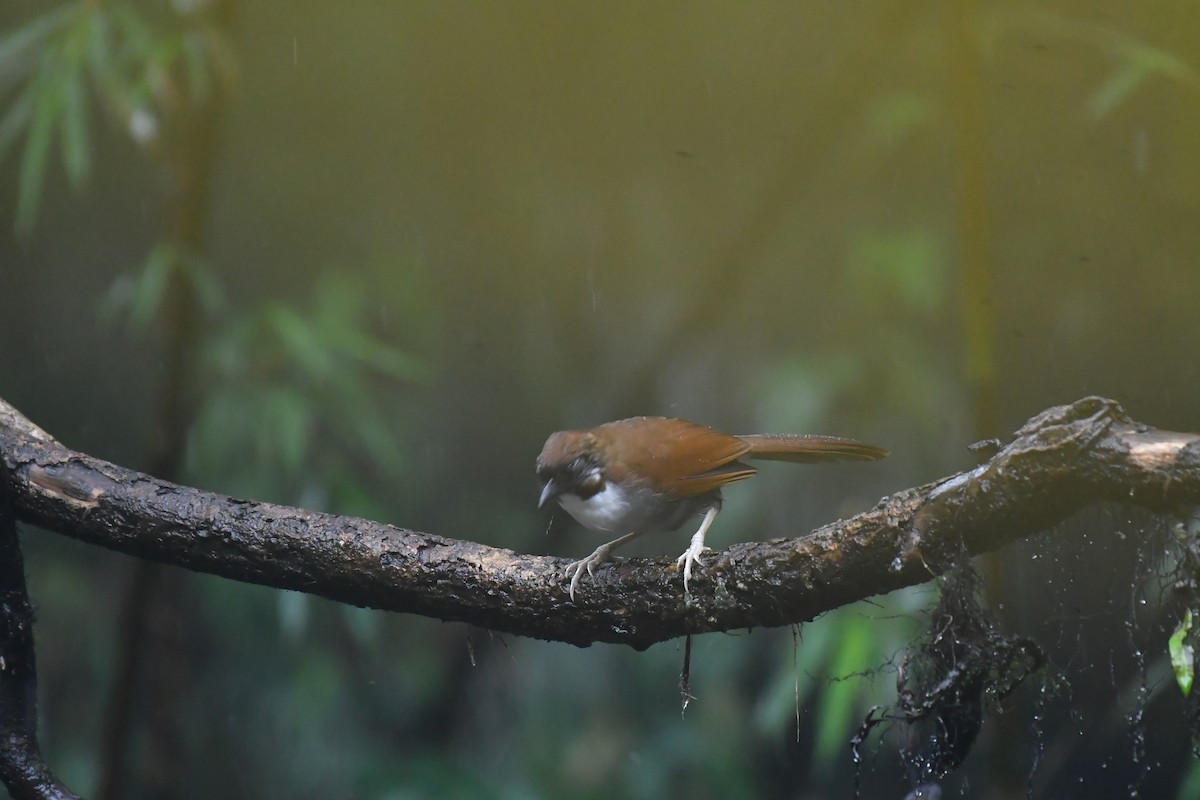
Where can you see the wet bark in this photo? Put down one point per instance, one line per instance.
(22, 770)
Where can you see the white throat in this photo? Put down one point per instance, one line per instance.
(606, 510)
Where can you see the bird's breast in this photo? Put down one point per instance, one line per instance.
(622, 509)
(607, 510)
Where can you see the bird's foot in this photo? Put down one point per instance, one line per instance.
(691, 556)
(575, 569)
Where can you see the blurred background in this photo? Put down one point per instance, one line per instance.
(364, 257)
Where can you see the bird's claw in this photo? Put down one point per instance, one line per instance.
(690, 556)
(575, 569)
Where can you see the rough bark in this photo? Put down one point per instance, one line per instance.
(22, 770)
(1062, 459)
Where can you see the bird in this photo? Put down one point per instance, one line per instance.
(649, 474)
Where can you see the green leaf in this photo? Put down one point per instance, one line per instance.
(108, 74)
(1120, 84)
(839, 702)
(302, 344)
(381, 356)
(76, 153)
(151, 286)
(1140, 63)
(1181, 654)
(204, 283)
(140, 297)
(18, 48)
(32, 174)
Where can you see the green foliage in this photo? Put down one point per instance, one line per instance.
(139, 298)
(1139, 63)
(295, 406)
(839, 669)
(135, 65)
(840, 706)
(1182, 656)
(304, 401)
(294, 403)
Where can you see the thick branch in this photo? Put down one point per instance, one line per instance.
(1059, 461)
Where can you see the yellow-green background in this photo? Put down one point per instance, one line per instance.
(916, 224)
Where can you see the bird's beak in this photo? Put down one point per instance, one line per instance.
(549, 492)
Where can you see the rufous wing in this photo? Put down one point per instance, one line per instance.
(675, 456)
(808, 449)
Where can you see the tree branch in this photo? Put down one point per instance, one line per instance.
(1062, 459)
(22, 770)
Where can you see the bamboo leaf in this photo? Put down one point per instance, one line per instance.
(302, 344)
(31, 178)
(1140, 63)
(203, 281)
(18, 49)
(111, 80)
(1120, 85)
(151, 286)
(378, 355)
(76, 151)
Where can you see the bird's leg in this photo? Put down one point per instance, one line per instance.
(692, 554)
(599, 556)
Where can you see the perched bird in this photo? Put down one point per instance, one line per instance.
(647, 474)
